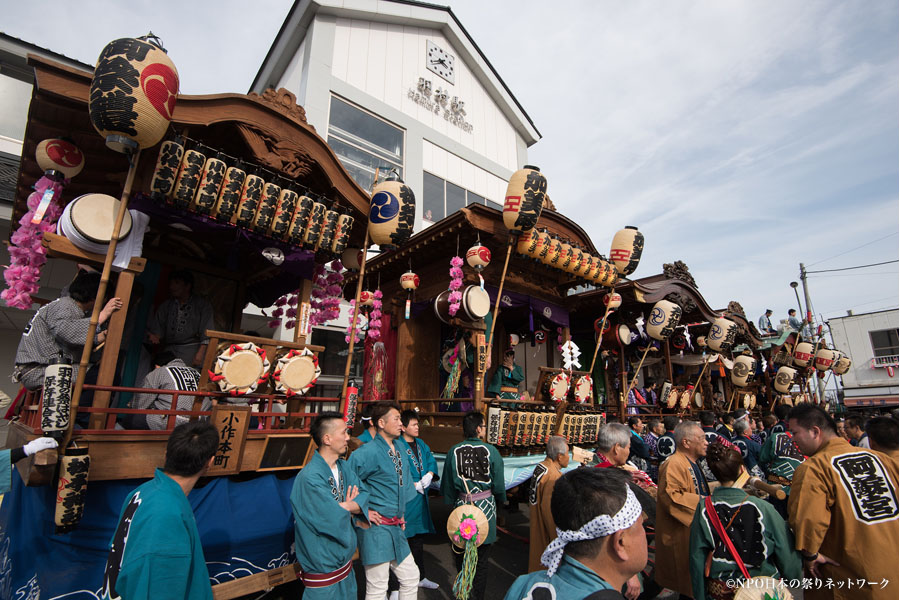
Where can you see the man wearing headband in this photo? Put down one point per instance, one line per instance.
(600, 540)
(365, 420)
(682, 486)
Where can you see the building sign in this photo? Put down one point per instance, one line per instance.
(231, 422)
(440, 102)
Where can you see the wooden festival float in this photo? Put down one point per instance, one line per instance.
(244, 193)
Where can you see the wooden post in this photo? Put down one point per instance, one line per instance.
(303, 295)
(623, 375)
(509, 246)
(599, 340)
(359, 286)
(668, 354)
(101, 293)
(637, 373)
(697, 385)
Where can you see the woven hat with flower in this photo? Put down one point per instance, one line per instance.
(467, 527)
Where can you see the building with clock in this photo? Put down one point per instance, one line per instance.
(399, 84)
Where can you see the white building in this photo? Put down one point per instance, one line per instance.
(871, 342)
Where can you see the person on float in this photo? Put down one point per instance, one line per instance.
(765, 323)
(61, 328)
(600, 540)
(170, 374)
(155, 551)
(11, 456)
(422, 469)
(754, 528)
(327, 500)
(843, 510)
(542, 528)
(180, 322)
(682, 486)
(504, 384)
(883, 435)
(747, 446)
(385, 475)
(795, 323)
(473, 474)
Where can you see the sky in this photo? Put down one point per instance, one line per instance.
(742, 137)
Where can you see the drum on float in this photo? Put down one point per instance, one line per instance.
(583, 389)
(474, 305)
(556, 388)
(296, 372)
(240, 368)
(87, 221)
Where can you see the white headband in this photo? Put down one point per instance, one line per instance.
(600, 526)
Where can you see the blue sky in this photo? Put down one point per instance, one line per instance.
(742, 137)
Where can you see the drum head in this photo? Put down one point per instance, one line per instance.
(685, 399)
(559, 387)
(93, 216)
(476, 302)
(298, 372)
(747, 401)
(624, 334)
(698, 399)
(672, 400)
(243, 369)
(584, 388)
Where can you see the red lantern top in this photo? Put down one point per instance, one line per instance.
(59, 155)
(478, 257)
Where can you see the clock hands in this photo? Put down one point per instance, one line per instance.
(440, 61)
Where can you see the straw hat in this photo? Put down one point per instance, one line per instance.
(462, 513)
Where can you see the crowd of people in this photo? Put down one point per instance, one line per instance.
(835, 535)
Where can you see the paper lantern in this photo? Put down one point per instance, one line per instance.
(803, 354)
(366, 298)
(229, 194)
(284, 213)
(566, 254)
(329, 225)
(208, 189)
(592, 267)
(612, 300)
(352, 258)
(824, 359)
(524, 199)
(841, 364)
(478, 257)
(664, 318)
(300, 221)
(606, 274)
(626, 249)
(55, 156)
(268, 202)
(784, 379)
(188, 178)
(409, 281)
(551, 251)
(133, 93)
(392, 211)
(576, 264)
(342, 234)
(722, 335)
(163, 182)
(314, 228)
(527, 242)
(249, 202)
(743, 371)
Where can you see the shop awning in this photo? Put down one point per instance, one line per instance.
(853, 402)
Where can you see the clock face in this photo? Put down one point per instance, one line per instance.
(439, 61)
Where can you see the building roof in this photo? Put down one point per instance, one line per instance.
(855, 315)
(407, 12)
(14, 53)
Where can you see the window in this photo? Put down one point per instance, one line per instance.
(332, 361)
(363, 142)
(441, 198)
(884, 343)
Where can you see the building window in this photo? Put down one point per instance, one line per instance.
(884, 343)
(363, 142)
(441, 198)
(332, 361)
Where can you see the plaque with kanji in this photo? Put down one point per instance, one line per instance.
(231, 422)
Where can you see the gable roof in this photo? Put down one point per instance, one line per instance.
(404, 12)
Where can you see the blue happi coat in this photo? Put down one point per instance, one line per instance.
(572, 580)
(324, 536)
(419, 460)
(383, 471)
(6, 472)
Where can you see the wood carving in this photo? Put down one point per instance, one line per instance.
(678, 270)
(283, 101)
(548, 204)
(278, 154)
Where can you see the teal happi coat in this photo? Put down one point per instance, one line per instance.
(383, 471)
(572, 580)
(481, 466)
(419, 460)
(324, 534)
(5, 472)
(155, 551)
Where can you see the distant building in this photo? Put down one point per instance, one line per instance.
(870, 340)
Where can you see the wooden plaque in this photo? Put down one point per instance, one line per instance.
(232, 423)
(286, 452)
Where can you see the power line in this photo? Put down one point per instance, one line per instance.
(859, 274)
(887, 262)
(852, 249)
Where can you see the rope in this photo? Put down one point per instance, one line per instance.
(462, 586)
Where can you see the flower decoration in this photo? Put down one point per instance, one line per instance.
(375, 317)
(456, 273)
(356, 327)
(468, 528)
(326, 293)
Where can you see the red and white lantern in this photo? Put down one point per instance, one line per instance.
(59, 156)
(824, 359)
(612, 300)
(626, 249)
(478, 257)
(409, 281)
(524, 199)
(803, 354)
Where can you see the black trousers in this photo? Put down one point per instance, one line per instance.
(417, 548)
(478, 585)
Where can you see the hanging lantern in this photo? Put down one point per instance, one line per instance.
(188, 178)
(300, 221)
(553, 249)
(392, 211)
(566, 254)
(133, 93)
(329, 225)
(803, 354)
(250, 195)
(626, 249)
(409, 281)
(366, 298)
(576, 264)
(163, 182)
(284, 212)
(59, 158)
(824, 359)
(268, 202)
(664, 318)
(612, 300)
(352, 258)
(208, 189)
(524, 199)
(342, 234)
(314, 228)
(784, 379)
(527, 242)
(230, 194)
(610, 274)
(722, 335)
(478, 257)
(841, 364)
(743, 371)
(592, 267)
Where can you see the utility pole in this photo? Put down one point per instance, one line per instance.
(808, 319)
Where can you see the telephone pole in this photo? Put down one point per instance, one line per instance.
(808, 320)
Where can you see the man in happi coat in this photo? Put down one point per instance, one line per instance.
(170, 374)
(155, 551)
(600, 542)
(779, 458)
(473, 474)
(682, 486)
(665, 445)
(505, 382)
(383, 472)
(843, 509)
(422, 469)
(325, 497)
(540, 491)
